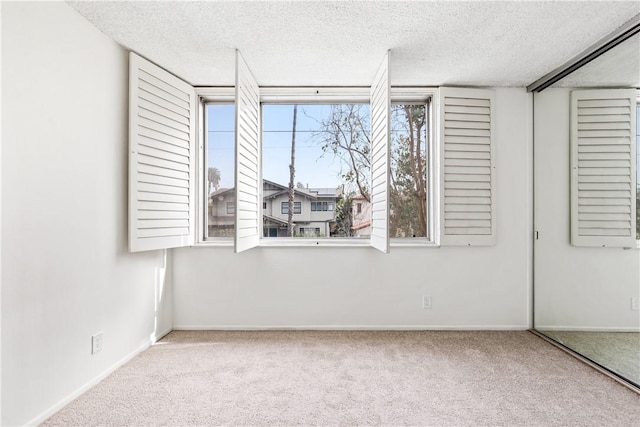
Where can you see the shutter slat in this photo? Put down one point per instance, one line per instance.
(464, 109)
(603, 167)
(467, 167)
(603, 118)
(161, 158)
(614, 101)
(468, 216)
(602, 125)
(585, 112)
(467, 118)
(162, 197)
(163, 215)
(380, 104)
(162, 180)
(163, 223)
(163, 232)
(163, 155)
(248, 160)
(162, 146)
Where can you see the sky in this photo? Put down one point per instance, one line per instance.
(313, 167)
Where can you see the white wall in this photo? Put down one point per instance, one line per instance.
(325, 287)
(575, 288)
(66, 271)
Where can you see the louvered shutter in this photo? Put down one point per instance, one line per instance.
(161, 158)
(380, 126)
(603, 167)
(467, 167)
(248, 180)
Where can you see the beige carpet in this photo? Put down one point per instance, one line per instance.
(617, 351)
(354, 378)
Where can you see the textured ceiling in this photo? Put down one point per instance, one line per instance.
(619, 67)
(341, 43)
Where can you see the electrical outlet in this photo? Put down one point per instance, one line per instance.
(635, 303)
(426, 302)
(96, 343)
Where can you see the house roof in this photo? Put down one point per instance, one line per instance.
(361, 226)
(221, 191)
(274, 219)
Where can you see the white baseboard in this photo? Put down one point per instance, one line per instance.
(350, 327)
(549, 328)
(159, 335)
(64, 402)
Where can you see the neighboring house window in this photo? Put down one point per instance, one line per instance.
(359, 208)
(310, 231)
(219, 156)
(331, 160)
(297, 207)
(321, 206)
(408, 168)
(264, 205)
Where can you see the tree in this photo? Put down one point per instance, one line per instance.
(343, 216)
(344, 133)
(408, 172)
(292, 175)
(213, 177)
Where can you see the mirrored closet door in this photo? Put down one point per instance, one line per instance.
(587, 210)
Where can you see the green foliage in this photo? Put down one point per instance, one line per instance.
(408, 172)
(343, 217)
(213, 177)
(345, 134)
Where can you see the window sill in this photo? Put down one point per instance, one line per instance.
(301, 242)
(283, 242)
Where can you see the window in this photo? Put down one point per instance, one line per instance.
(220, 170)
(329, 149)
(408, 168)
(297, 207)
(310, 232)
(359, 208)
(264, 205)
(321, 206)
(344, 148)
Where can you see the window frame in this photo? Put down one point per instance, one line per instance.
(429, 127)
(320, 95)
(284, 205)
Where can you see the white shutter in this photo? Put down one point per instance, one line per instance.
(603, 167)
(248, 185)
(380, 126)
(161, 158)
(467, 167)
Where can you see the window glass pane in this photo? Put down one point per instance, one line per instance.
(408, 180)
(220, 170)
(330, 169)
